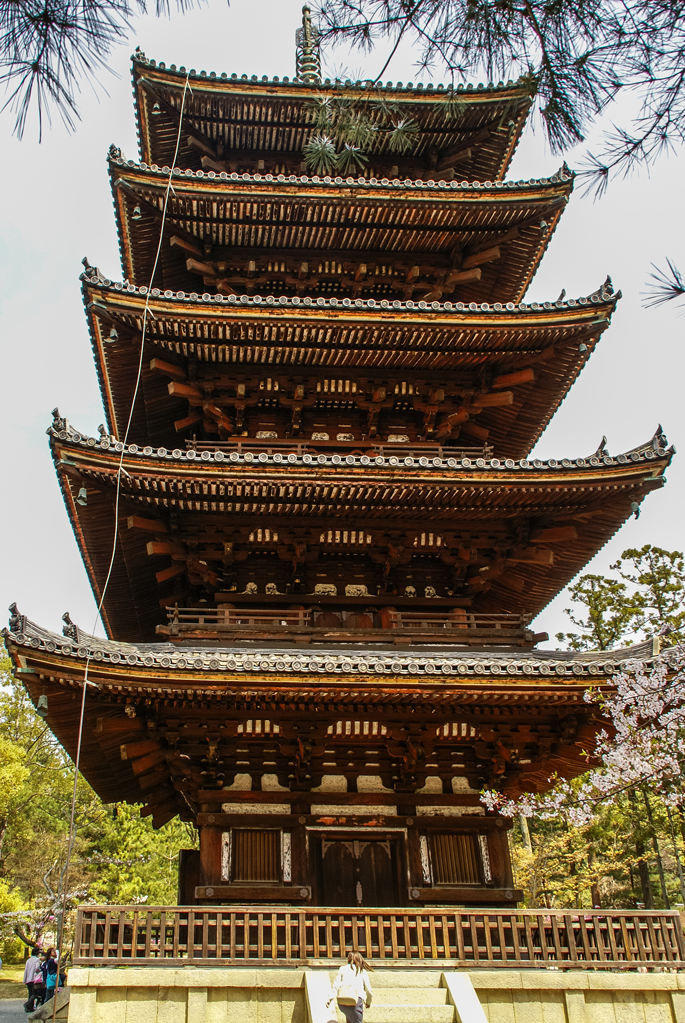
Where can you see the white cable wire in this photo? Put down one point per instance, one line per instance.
(120, 470)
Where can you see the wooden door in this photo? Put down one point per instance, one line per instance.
(338, 874)
(359, 872)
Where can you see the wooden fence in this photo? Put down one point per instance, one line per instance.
(590, 939)
(453, 626)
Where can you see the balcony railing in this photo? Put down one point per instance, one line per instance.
(372, 448)
(568, 939)
(302, 624)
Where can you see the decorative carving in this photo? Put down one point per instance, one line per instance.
(70, 628)
(58, 421)
(18, 621)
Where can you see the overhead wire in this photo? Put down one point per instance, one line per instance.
(120, 472)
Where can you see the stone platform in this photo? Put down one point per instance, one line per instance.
(401, 995)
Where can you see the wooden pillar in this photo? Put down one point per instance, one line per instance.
(301, 870)
(210, 855)
(413, 853)
(500, 859)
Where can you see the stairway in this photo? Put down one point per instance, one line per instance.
(408, 996)
(402, 996)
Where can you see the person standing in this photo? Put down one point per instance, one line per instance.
(31, 968)
(49, 970)
(352, 988)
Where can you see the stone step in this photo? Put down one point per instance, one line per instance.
(410, 995)
(408, 1013)
(410, 978)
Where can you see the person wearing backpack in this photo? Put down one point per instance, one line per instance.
(352, 988)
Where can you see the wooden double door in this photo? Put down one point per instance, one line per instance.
(360, 871)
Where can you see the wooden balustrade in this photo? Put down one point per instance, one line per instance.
(568, 939)
(372, 448)
(447, 626)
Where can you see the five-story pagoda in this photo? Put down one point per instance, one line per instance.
(330, 540)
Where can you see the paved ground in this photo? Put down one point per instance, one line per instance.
(11, 1010)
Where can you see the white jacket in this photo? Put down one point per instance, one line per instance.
(357, 980)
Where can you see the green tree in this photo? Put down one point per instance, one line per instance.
(609, 614)
(132, 863)
(617, 861)
(576, 56)
(658, 598)
(47, 46)
(117, 856)
(646, 600)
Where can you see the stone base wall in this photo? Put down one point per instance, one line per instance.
(238, 995)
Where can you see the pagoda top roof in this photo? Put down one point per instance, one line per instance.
(572, 507)
(261, 115)
(255, 84)
(430, 229)
(287, 335)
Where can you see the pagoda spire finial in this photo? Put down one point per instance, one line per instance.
(308, 49)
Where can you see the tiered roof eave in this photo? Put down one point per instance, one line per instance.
(218, 673)
(282, 334)
(262, 115)
(572, 508)
(502, 230)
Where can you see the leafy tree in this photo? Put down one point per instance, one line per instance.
(131, 863)
(575, 55)
(658, 601)
(610, 862)
(609, 613)
(117, 856)
(48, 46)
(642, 749)
(648, 600)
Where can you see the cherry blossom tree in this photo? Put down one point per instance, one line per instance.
(642, 746)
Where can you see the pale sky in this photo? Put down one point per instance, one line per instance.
(57, 208)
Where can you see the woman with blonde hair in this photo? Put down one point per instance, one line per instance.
(352, 988)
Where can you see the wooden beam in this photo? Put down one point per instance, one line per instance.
(106, 726)
(460, 276)
(176, 550)
(521, 376)
(147, 525)
(168, 369)
(453, 158)
(198, 267)
(478, 258)
(531, 556)
(153, 780)
(494, 400)
(202, 144)
(500, 239)
(143, 764)
(176, 241)
(182, 424)
(181, 390)
(473, 430)
(555, 534)
(170, 573)
(131, 750)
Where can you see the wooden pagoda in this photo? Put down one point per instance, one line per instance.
(331, 540)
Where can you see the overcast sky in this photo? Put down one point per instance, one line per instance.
(57, 208)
